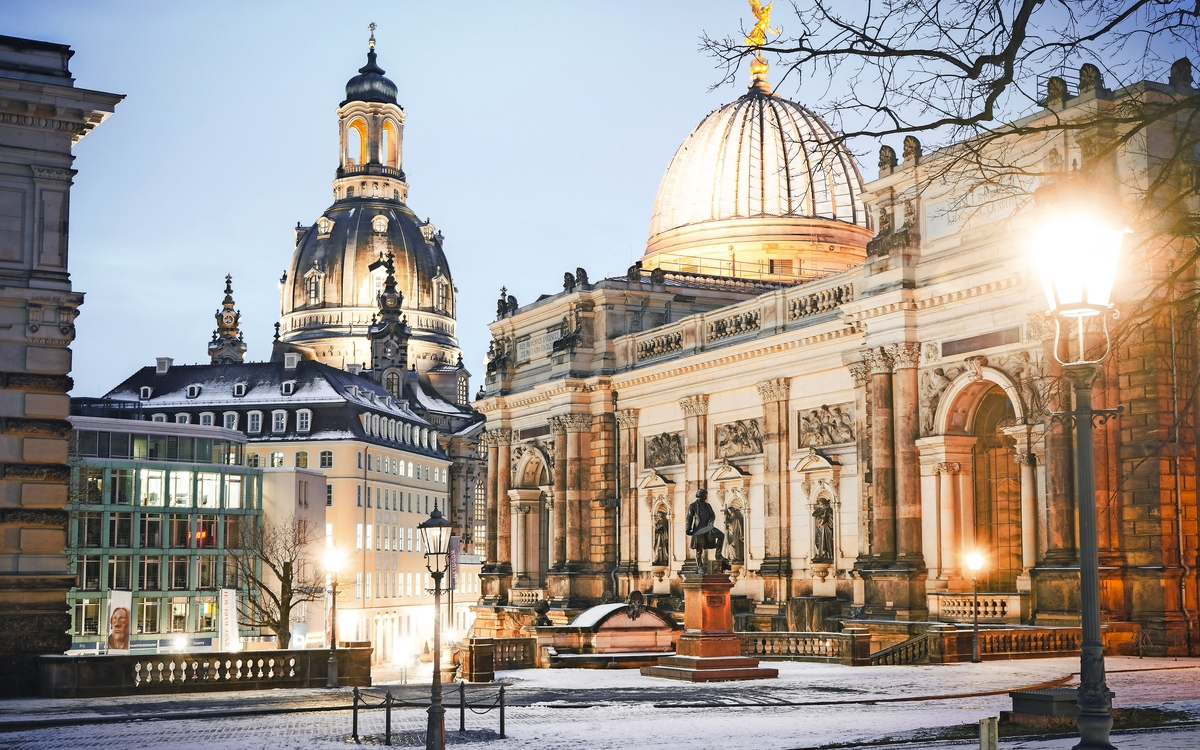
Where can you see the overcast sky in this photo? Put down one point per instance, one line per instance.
(535, 140)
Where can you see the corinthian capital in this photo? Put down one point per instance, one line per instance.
(627, 418)
(860, 371)
(694, 405)
(557, 426)
(879, 360)
(949, 467)
(577, 422)
(774, 390)
(501, 436)
(906, 354)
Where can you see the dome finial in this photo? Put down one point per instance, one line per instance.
(755, 40)
(371, 41)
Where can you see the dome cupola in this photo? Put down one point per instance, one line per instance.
(761, 187)
(370, 85)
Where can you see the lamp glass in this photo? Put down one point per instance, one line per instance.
(975, 562)
(333, 561)
(436, 533)
(1076, 256)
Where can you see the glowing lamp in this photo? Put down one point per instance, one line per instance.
(1077, 256)
(333, 561)
(975, 562)
(435, 531)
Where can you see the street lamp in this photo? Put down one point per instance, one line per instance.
(435, 532)
(1076, 254)
(974, 564)
(333, 563)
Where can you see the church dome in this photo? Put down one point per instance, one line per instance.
(370, 85)
(760, 174)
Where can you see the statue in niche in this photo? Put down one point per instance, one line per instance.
(664, 450)
(822, 531)
(735, 535)
(662, 532)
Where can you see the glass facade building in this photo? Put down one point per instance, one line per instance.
(156, 509)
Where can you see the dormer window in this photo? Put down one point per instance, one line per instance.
(366, 420)
(288, 387)
(239, 389)
(159, 418)
(379, 224)
(145, 392)
(303, 420)
(206, 418)
(291, 361)
(193, 391)
(183, 418)
(278, 421)
(314, 284)
(254, 422)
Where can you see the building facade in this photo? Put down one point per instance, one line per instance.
(42, 115)
(157, 509)
(859, 429)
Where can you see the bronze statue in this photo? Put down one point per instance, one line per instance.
(662, 530)
(699, 526)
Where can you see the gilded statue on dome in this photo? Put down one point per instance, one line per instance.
(762, 24)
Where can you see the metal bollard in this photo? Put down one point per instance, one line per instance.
(355, 725)
(989, 733)
(501, 712)
(387, 721)
(462, 707)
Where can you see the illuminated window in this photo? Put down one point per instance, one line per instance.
(392, 383)
(301, 459)
(388, 144)
(356, 142)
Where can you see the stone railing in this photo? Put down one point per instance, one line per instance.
(130, 674)
(514, 653)
(816, 302)
(851, 647)
(734, 325)
(658, 345)
(1009, 608)
(1018, 643)
(912, 651)
(525, 597)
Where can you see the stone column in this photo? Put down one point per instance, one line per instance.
(1060, 485)
(695, 448)
(861, 372)
(559, 544)
(907, 425)
(517, 539)
(883, 466)
(504, 514)
(776, 566)
(948, 507)
(488, 440)
(627, 555)
(1027, 460)
(577, 533)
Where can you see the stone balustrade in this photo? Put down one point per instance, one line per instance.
(525, 597)
(1008, 608)
(514, 653)
(850, 647)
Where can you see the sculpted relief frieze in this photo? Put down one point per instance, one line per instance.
(741, 438)
(1025, 371)
(826, 425)
(664, 450)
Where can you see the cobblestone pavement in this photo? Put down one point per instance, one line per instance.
(548, 712)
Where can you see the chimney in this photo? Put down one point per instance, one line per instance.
(354, 369)
(162, 364)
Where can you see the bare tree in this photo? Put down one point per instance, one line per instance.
(272, 566)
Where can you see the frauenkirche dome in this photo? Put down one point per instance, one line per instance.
(760, 187)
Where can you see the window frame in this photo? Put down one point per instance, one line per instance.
(278, 421)
(303, 420)
(254, 422)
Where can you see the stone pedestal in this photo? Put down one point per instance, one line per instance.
(708, 650)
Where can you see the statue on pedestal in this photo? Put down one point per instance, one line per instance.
(699, 526)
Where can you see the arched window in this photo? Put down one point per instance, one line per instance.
(326, 459)
(462, 390)
(391, 381)
(389, 144)
(314, 289)
(276, 459)
(356, 142)
(441, 296)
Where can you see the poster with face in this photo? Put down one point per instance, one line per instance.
(119, 621)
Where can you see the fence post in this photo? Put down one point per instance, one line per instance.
(989, 733)
(501, 712)
(355, 724)
(462, 706)
(387, 720)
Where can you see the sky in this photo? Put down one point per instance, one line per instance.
(535, 141)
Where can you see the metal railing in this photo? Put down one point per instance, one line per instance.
(387, 702)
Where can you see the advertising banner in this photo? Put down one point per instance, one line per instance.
(228, 637)
(452, 551)
(119, 622)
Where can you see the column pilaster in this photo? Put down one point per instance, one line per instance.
(776, 566)
(627, 554)
(907, 426)
(883, 460)
(559, 542)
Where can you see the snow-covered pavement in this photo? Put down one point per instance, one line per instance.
(559, 709)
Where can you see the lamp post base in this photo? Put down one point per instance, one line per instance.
(435, 733)
(331, 672)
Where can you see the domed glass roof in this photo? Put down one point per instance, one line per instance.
(759, 156)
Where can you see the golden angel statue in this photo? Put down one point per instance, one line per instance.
(762, 24)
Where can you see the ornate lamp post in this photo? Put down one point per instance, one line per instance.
(435, 531)
(333, 563)
(1076, 255)
(974, 564)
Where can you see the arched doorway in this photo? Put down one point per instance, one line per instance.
(530, 520)
(997, 493)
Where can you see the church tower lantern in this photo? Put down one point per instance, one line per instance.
(227, 346)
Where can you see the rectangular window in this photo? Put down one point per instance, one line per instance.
(206, 532)
(368, 536)
(231, 574)
(148, 615)
(233, 491)
(358, 536)
(368, 585)
(119, 571)
(360, 459)
(91, 486)
(329, 496)
(149, 570)
(179, 612)
(87, 617)
(151, 530)
(358, 585)
(358, 494)
(233, 532)
(87, 529)
(231, 420)
(177, 571)
(180, 531)
(206, 573)
(208, 490)
(206, 615)
(120, 529)
(254, 422)
(301, 459)
(408, 584)
(326, 459)
(88, 572)
(408, 546)
(275, 460)
(153, 487)
(181, 489)
(121, 486)
(303, 420)
(278, 421)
